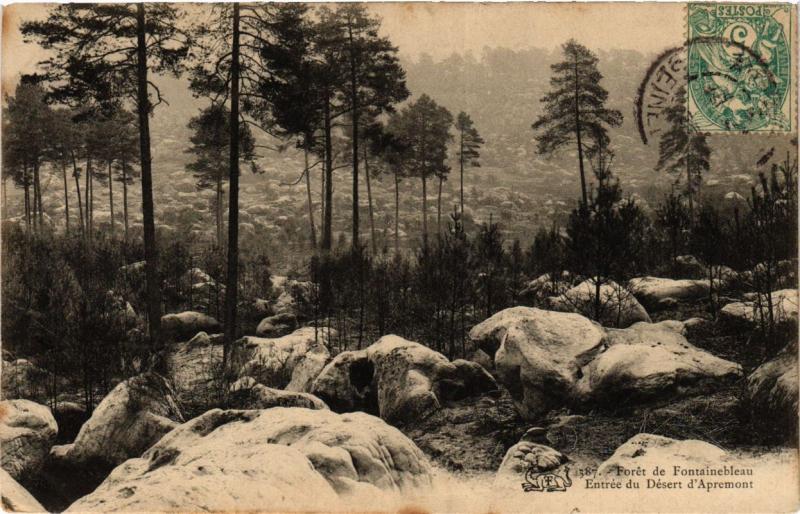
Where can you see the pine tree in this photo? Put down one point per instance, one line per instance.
(423, 129)
(104, 52)
(469, 142)
(683, 149)
(574, 109)
(210, 147)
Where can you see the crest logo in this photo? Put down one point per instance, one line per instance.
(547, 481)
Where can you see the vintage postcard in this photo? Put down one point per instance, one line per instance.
(399, 257)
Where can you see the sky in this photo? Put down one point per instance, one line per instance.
(440, 29)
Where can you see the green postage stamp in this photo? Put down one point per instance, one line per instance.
(740, 70)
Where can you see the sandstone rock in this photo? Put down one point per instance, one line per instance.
(133, 416)
(648, 450)
(283, 458)
(247, 394)
(545, 286)
(649, 361)
(526, 455)
(690, 267)
(292, 361)
(617, 307)
(183, 325)
(16, 498)
(400, 380)
(748, 313)
(655, 292)
(541, 353)
(22, 379)
(194, 369)
(277, 326)
(772, 391)
(27, 431)
(482, 358)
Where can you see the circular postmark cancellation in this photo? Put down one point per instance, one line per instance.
(734, 72)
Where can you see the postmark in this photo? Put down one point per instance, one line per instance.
(739, 67)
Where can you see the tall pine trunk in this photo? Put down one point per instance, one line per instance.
(439, 209)
(424, 211)
(369, 201)
(310, 202)
(578, 137)
(5, 197)
(86, 202)
(148, 218)
(461, 164)
(38, 191)
(355, 114)
(218, 210)
(78, 191)
(111, 197)
(125, 196)
(327, 232)
(66, 194)
(396, 213)
(231, 289)
(27, 186)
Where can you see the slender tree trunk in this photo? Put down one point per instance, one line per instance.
(578, 137)
(125, 196)
(461, 165)
(396, 214)
(5, 197)
(355, 114)
(369, 201)
(689, 193)
(86, 202)
(27, 186)
(148, 218)
(218, 210)
(424, 211)
(66, 195)
(231, 289)
(38, 192)
(310, 203)
(111, 197)
(327, 233)
(78, 191)
(439, 209)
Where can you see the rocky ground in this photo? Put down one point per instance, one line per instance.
(547, 392)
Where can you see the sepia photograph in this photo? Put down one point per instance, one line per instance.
(399, 257)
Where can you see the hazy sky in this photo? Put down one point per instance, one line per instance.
(440, 29)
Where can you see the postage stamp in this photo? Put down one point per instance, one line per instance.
(739, 68)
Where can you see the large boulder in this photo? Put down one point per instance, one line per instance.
(277, 325)
(398, 379)
(133, 416)
(291, 362)
(16, 498)
(278, 459)
(183, 325)
(656, 292)
(195, 368)
(540, 354)
(748, 313)
(23, 379)
(617, 306)
(246, 393)
(27, 431)
(772, 391)
(545, 286)
(652, 361)
(690, 266)
(527, 455)
(647, 451)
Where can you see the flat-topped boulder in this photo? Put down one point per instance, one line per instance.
(280, 458)
(291, 362)
(748, 313)
(184, 325)
(133, 416)
(648, 451)
(617, 306)
(540, 354)
(656, 292)
(398, 379)
(246, 393)
(27, 431)
(652, 361)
